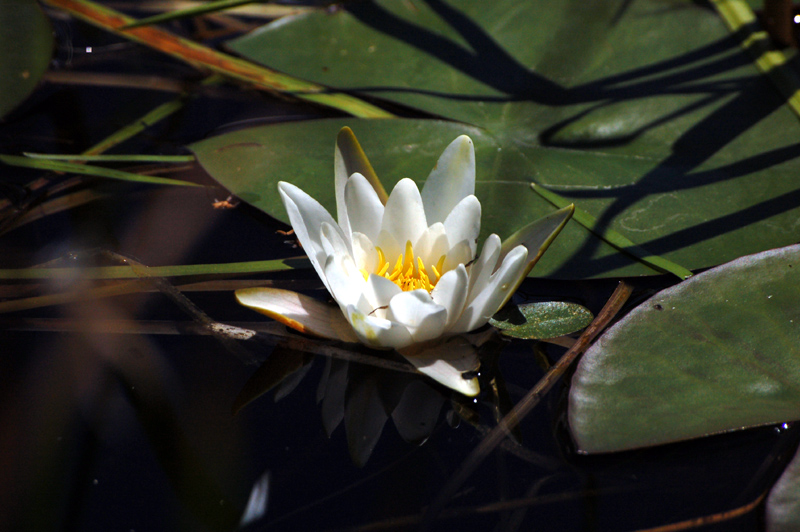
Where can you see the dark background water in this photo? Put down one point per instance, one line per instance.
(104, 431)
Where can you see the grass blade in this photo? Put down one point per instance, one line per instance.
(202, 9)
(127, 272)
(95, 171)
(201, 56)
(112, 158)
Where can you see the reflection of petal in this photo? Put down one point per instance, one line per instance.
(332, 391)
(416, 414)
(299, 312)
(364, 414)
(446, 362)
(451, 180)
(257, 503)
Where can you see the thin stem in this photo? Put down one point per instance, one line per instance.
(531, 399)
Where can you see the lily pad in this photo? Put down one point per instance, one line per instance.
(251, 162)
(681, 145)
(26, 44)
(715, 353)
(545, 319)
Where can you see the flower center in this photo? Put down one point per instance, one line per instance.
(409, 271)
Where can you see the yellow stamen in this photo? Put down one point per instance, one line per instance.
(409, 271)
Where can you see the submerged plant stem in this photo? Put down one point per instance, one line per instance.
(531, 399)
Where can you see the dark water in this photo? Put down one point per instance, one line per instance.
(103, 431)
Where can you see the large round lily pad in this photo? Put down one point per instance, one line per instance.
(715, 353)
(648, 115)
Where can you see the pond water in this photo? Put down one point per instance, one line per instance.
(135, 430)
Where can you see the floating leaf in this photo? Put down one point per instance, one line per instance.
(250, 163)
(715, 353)
(547, 319)
(26, 44)
(680, 145)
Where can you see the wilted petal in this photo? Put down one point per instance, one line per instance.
(451, 293)
(464, 222)
(448, 363)
(451, 180)
(404, 216)
(364, 209)
(485, 303)
(307, 216)
(377, 332)
(415, 310)
(300, 312)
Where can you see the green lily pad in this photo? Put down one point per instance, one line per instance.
(26, 44)
(250, 162)
(679, 144)
(546, 319)
(715, 353)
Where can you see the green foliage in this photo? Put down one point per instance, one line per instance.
(546, 319)
(26, 43)
(679, 144)
(715, 353)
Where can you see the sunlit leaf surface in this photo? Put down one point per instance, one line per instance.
(26, 43)
(712, 354)
(679, 144)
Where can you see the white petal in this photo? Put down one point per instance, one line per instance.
(451, 293)
(415, 310)
(377, 332)
(307, 216)
(432, 244)
(447, 363)
(364, 209)
(345, 281)
(460, 253)
(364, 254)
(379, 291)
(298, 311)
(484, 266)
(451, 180)
(404, 216)
(489, 297)
(332, 240)
(340, 181)
(464, 222)
(390, 246)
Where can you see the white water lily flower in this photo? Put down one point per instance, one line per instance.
(404, 270)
